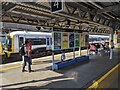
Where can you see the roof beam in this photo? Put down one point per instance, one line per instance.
(109, 9)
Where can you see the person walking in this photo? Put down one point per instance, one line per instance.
(26, 58)
(30, 50)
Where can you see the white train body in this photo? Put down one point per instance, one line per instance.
(38, 40)
(98, 38)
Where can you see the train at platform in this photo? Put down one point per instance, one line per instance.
(98, 39)
(41, 42)
(12, 42)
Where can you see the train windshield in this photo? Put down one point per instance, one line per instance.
(37, 41)
(3, 39)
(6, 42)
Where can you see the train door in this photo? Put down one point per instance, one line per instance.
(47, 43)
(1, 50)
(20, 42)
(48, 46)
(16, 43)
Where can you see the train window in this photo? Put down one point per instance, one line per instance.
(3, 39)
(9, 43)
(20, 41)
(37, 41)
(48, 41)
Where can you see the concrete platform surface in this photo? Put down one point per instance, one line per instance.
(75, 76)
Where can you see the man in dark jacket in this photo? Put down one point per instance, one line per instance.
(26, 58)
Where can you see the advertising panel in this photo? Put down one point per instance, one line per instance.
(77, 40)
(64, 40)
(86, 39)
(82, 39)
(57, 40)
(71, 40)
(118, 41)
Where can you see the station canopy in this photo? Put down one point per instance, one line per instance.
(95, 17)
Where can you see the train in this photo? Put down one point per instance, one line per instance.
(12, 42)
(98, 39)
(41, 42)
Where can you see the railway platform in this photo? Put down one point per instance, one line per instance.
(99, 68)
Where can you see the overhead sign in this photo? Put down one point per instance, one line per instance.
(56, 5)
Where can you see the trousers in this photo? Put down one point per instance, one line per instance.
(26, 60)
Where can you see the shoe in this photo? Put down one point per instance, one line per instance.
(31, 71)
(24, 70)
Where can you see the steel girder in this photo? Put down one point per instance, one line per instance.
(74, 11)
(109, 9)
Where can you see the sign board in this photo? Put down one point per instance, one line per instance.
(82, 39)
(64, 40)
(71, 40)
(86, 39)
(56, 5)
(118, 39)
(77, 38)
(57, 40)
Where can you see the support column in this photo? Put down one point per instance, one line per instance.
(79, 51)
(112, 40)
(24, 37)
(52, 60)
(74, 48)
(1, 23)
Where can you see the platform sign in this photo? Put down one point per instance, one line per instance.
(57, 40)
(77, 40)
(56, 5)
(82, 39)
(64, 40)
(71, 40)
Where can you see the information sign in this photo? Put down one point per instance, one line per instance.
(56, 5)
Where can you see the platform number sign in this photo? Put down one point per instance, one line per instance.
(56, 5)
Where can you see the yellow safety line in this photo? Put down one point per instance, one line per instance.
(103, 77)
(7, 68)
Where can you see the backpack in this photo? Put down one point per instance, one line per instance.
(22, 51)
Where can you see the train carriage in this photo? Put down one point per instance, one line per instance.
(12, 42)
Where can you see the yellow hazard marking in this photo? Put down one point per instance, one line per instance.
(95, 84)
(7, 68)
(103, 77)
